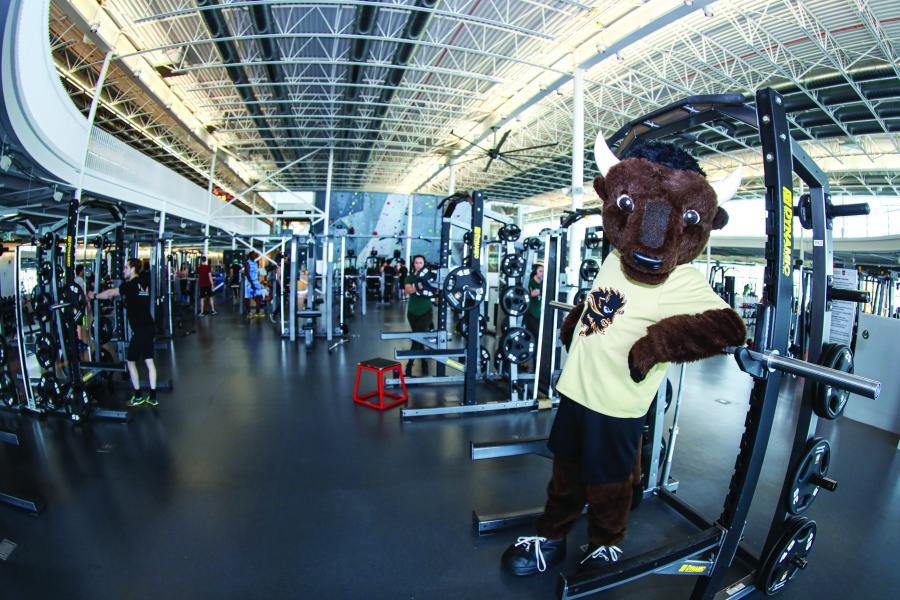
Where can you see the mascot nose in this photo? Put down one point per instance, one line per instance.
(655, 223)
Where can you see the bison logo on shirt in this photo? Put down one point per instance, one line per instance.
(601, 307)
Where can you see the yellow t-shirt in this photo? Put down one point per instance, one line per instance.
(617, 313)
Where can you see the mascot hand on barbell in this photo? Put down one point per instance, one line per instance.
(647, 307)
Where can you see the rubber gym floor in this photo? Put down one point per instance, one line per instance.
(258, 477)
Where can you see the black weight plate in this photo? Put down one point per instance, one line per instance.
(509, 233)
(592, 240)
(426, 282)
(512, 265)
(45, 350)
(78, 404)
(787, 556)
(544, 232)
(814, 463)
(2, 353)
(106, 330)
(517, 345)
(580, 295)
(48, 240)
(533, 243)
(464, 288)
(45, 275)
(514, 300)
(50, 391)
(588, 270)
(828, 401)
(462, 326)
(8, 395)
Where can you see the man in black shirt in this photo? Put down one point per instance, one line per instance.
(136, 291)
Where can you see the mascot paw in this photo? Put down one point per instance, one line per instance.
(639, 362)
(636, 374)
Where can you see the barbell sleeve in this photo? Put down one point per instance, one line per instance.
(848, 210)
(561, 305)
(860, 296)
(844, 381)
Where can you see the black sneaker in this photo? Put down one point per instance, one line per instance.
(407, 372)
(212, 312)
(599, 556)
(532, 554)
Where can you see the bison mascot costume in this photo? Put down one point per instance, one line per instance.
(647, 308)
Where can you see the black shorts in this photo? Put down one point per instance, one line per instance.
(206, 292)
(141, 346)
(605, 447)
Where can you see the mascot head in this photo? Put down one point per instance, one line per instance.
(658, 207)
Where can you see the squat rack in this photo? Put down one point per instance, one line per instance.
(709, 553)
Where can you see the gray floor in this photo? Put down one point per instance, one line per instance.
(259, 478)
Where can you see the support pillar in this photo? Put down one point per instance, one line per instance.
(209, 193)
(576, 231)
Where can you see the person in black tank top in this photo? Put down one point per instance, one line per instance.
(135, 289)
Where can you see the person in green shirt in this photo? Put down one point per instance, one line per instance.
(532, 319)
(418, 311)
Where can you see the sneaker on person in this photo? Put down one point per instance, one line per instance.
(150, 400)
(532, 554)
(599, 556)
(135, 400)
(212, 312)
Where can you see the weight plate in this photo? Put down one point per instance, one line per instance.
(812, 467)
(48, 240)
(50, 391)
(787, 556)
(580, 295)
(484, 360)
(512, 265)
(533, 243)
(106, 330)
(8, 395)
(426, 282)
(462, 326)
(829, 402)
(509, 233)
(517, 345)
(2, 353)
(588, 270)
(544, 232)
(78, 404)
(514, 300)
(464, 288)
(45, 350)
(592, 241)
(45, 275)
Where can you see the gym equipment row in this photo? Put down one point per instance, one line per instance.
(709, 553)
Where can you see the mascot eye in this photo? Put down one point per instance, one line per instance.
(691, 216)
(624, 202)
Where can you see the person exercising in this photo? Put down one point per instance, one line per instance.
(532, 320)
(136, 291)
(418, 311)
(253, 289)
(205, 281)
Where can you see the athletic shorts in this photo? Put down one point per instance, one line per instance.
(141, 346)
(206, 292)
(605, 447)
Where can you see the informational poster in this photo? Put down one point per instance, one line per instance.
(843, 313)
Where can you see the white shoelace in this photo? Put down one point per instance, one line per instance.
(527, 541)
(607, 553)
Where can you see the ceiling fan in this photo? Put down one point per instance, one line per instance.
(504, 156)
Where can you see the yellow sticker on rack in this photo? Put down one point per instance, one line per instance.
(787, 201)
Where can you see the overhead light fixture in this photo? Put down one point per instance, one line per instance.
(183, 224)
(619, 57)
(5, 162)
(57, 196)
(156, 218)
(707, 12)
(688, 2)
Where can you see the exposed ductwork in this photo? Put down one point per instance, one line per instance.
(218, 30)
(415, 27)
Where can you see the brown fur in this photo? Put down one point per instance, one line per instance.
(685, 338)
(567, 330)
(565, 500)
(609, 505)
(644, 181)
